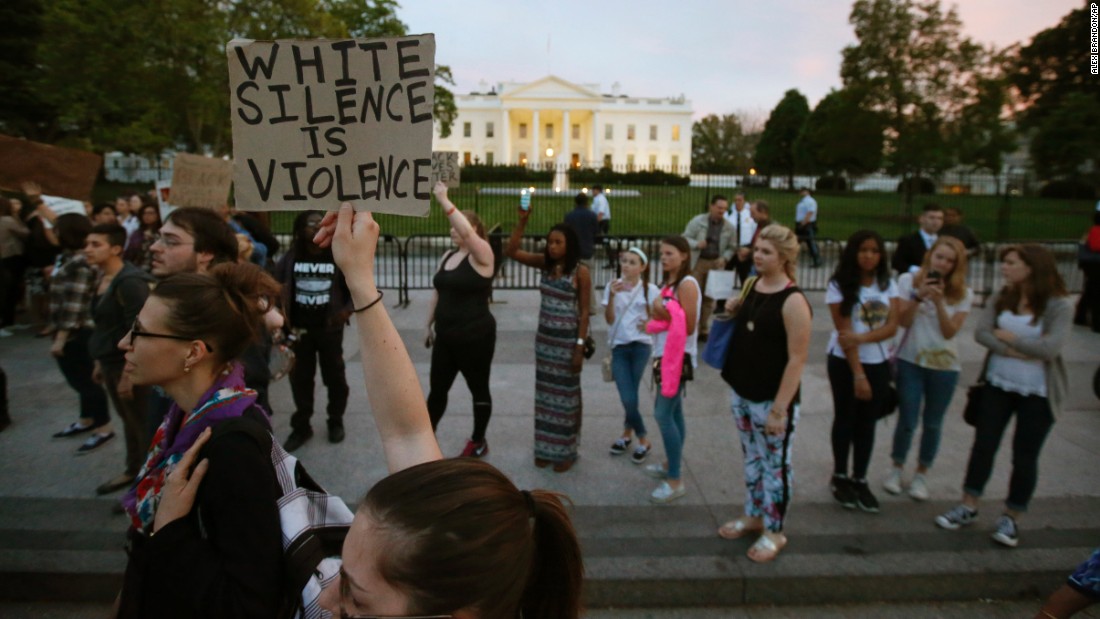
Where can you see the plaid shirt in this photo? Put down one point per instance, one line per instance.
(72, 288)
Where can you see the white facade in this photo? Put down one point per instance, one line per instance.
(552, 121)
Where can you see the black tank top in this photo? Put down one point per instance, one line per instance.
(757, 356)
(463, 306)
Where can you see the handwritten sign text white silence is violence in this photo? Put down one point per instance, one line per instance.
(320, 122)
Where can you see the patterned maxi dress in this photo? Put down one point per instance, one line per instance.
(557, 388)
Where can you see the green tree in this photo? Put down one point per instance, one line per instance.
(841, 136)
(918, 71)
(22, 110)
(775, 153)
(719, 145)
(1068, 137)
(982, 137)
(1058, 99)
(144, 77)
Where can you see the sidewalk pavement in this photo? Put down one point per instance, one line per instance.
(637, 554)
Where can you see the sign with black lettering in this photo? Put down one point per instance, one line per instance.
(200, 181)
(320, 122)
(445, 168)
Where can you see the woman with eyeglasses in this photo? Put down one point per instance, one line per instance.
(223, 558)
(437, 538)
(863, 302)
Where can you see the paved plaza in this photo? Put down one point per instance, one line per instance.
(637, 554)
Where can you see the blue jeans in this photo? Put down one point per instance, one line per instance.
(670, 419)
(936, 387)
(628, 366)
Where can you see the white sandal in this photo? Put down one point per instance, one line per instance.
(736, 529)
(768, 546)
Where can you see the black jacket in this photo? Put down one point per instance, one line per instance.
(114, 312)
(910, 252)
(225, 558)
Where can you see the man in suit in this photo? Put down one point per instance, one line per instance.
(909, 254)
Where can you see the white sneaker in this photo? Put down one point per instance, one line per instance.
(892, 483)
(656, 471)
(666, 494)
(918, 488)
(5, 332)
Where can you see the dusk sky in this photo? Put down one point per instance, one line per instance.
(725, 56)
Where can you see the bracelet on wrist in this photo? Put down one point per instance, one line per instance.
(369, 305)
(450, 211)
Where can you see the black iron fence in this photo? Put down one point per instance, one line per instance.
(410, 263)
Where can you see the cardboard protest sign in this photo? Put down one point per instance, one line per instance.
(200, 181)
(445, 168)
(65, 172)
(317, 123)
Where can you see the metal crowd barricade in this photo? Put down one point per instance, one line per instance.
(411, 263)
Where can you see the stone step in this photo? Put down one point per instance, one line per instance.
(71, 550)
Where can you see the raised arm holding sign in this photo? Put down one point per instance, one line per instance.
(322, 122)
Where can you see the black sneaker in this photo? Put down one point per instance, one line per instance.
(73, 429)
(640, 452)
(865, 500)
(843, 491)
(296, 439)
(956, 517)
(618, 448)
(1006, 533)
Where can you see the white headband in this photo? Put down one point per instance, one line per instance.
(640, 254)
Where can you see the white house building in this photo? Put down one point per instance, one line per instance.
(553, 121)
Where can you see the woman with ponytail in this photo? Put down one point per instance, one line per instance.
(446, 538)
(223, 558)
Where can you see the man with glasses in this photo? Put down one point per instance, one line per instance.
(194, 240)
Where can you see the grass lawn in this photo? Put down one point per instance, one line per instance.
(666, 210)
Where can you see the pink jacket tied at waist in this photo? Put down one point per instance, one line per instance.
(675, 342)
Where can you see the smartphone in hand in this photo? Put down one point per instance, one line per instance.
(525, 199)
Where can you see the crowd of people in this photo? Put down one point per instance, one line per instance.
(173, 322)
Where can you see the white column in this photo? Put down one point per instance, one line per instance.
(566, 134)
(594, 144)
(536, 156)
(505, 137)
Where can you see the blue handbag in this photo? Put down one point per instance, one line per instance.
(721, 331)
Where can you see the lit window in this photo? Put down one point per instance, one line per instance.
(523, 158)
(523, 131)
(608, 132)
(630, 132)
(653, 133)
(466, 158)
(575, 160)
(488, 130)
(467, 129)
(576, 132)
(675, 133)
(607, 161)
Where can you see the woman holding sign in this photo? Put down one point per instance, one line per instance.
(559, 344)
(465, 332)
